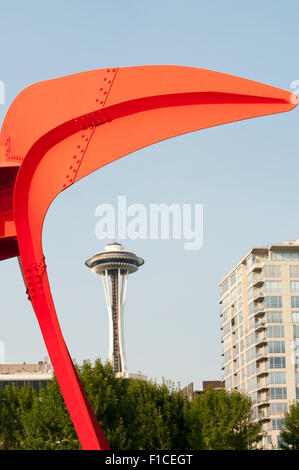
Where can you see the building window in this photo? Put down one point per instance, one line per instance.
(274, 317)
(276, 347)
(278, 362)
(228, 383)
(232, 279)
(225, 302)
(227, 355)
(226, 328)
(250, 339)
(36, 384)
(239, 303)
(283, 256)
(296, 331)
(297, 378)
(250, 260)
(274, 301)
(278, 378)
(227, 342)
(294, 286)
(251, 369)
(278, 407)
(297, 393)
(250, 354)
(250, 278)
(272, 271)
(252, 323)
(276, 424)
(239, 272)
(273, 286)
(251, 384)
(224, 287)
(233, 293)
(227, 370)
(278, 393)
(276, 331)
(294, 271)
(295, 301)
(250, 293)
(295, 317)
(296, 353)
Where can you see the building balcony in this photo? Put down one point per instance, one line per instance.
(258, 280)
(262, 370)
(260, 325)
(261, 339)
(264, 415)
(262, 355)
(263, 400)
(257, 266)
(262, 385)
(259, 308)
(258, 295)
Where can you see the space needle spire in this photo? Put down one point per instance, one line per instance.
(114, 266)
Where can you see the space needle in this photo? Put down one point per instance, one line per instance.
(114, 266)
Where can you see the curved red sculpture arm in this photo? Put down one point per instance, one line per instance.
(64, 129)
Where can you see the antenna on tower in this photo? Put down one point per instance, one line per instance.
(113, 233)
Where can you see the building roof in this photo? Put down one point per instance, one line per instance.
(39, 371)
(287, 245)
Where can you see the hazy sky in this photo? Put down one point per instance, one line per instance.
(245, 174)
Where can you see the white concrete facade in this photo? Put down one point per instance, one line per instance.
(260, 333)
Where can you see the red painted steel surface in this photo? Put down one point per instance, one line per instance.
(58, 131)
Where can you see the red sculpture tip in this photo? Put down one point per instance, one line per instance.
(293, 99)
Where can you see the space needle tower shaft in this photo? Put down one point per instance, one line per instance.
(114, 265)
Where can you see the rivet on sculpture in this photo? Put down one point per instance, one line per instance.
(59, 131)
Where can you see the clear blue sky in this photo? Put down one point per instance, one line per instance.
(245, 174)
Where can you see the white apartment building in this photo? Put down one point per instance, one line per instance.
(260, 333)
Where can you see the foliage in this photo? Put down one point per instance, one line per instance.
(218, 419)
(133, 414)
(289, 435)
(13, 402)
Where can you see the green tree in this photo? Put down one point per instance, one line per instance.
(133, 414)
(289, 435)
(46, 424)
(221, 420)
(13, 403)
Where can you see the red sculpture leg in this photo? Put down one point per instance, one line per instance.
(63, 129)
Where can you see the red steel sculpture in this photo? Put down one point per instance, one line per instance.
(59, 131)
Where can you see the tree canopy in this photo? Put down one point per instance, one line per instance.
(134, 414)
(218, 419)
(289, 434)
